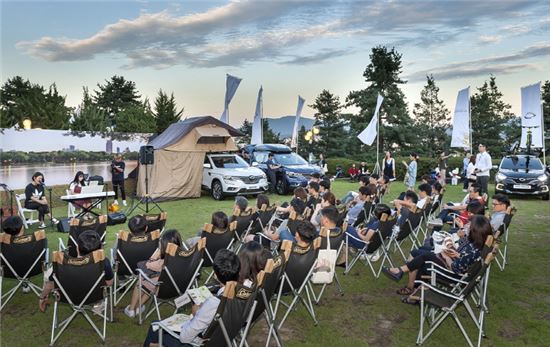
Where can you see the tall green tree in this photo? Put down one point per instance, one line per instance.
(490, 117)
(136, 119)
(269, 136)
(116, 95)
(304, 146)
(546, 111)
(432, 119)
(382, 74)
(246, 129)
(330, 123)
(166, 111)
(20, 99)
(88, 117)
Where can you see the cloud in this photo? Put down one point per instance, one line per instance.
(487, 39)
(495, 65)
(247, 31)
(319, 56)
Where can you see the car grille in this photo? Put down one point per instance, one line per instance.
(250, 179)
(523, 180)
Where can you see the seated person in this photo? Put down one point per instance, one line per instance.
(13, 226)
(365, 234)
(403, 209)
(427, 179)
(351, 195)
(220, 224)
(473, 194)
(456, 260)
(315, 177)
(327, 200)
(138, 225)
(424, 191)
(76, 187)
(314, 197)
(87, 242)
(299, 193)
(363, 170)
(253, 257)
(324, 187)
(437, 190)
(373, 179)
(365, 193)
(36, 200)
(382, 184)
(297, 206)
(241, 204)
(305, 234)
(353, 172)
(501, 203)
(152, 268)
(339, 172)
(226, 268)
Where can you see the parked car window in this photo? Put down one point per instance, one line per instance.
(260, 157)
(289, 159)
(521, 163)
(229, 162)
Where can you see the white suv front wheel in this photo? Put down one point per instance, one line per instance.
(217, 190)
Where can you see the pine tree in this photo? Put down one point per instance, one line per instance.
(136, 119)
(269, 135)
(395, 124)
(166, 111)
(490, 116)
(330, 123)
(432, 119)
(88, 117)
(304, 147)
(246, 129)
(116, 95)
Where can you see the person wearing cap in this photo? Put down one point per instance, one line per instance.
(482, 168)
(117, 173)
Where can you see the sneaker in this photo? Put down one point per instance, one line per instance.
(55, 221)
(124, 203)
(115, 202)
(465, 190)
(42, 226)
(25, 288)
(129, 312)
(374, 257)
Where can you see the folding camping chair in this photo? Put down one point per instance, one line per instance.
(297, 274)
(377, 242)
(216, 240)
(80, 283)
(156, 221)
(504, 230)
(179, 273)
(364, 217)
(243, 220)
(437, 304)
(128, 251)
(406, 231)
(237, 304)
(265, 217)
(22, 258)
(273, 273)
(31, 219)
(336, 238)
(79, 225)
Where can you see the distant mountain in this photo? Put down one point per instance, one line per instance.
(284, 125)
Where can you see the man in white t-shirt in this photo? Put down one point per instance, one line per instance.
(483, 168)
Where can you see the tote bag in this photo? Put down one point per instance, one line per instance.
(323, 271)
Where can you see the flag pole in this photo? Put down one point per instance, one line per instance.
(377, 167)
(542, 129)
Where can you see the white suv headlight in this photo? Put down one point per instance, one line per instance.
(542, 178)
(229, 178)
(500, 177)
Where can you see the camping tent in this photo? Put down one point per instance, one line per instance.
(179, 156)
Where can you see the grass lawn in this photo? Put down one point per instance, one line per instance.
(369, 313)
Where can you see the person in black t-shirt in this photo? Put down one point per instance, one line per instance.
(36, 200)
(117, 172)
(272, 168)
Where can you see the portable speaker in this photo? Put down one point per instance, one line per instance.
(146, 155)
(63, 225)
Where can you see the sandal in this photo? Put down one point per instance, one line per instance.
(404, 291)
(407, 300)
(393, 276)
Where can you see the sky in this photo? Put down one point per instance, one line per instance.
(290, 48)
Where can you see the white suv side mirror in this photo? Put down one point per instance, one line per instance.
(206, 166)
(254, 163)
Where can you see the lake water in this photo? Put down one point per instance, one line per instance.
(18, 176)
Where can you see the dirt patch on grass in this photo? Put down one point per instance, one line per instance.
(510, 330)
(382, 331)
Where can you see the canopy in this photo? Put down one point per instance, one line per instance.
(179, 157)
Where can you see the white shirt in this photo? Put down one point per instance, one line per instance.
(470, 169)
(200, 321)
(483, 164)
(421, 203)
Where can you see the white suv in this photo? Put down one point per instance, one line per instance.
(228, 174)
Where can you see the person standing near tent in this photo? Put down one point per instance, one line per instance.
(410, 176)
(483, 168)
(117, 173)
(272, 168)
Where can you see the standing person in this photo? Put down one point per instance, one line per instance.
(442, 164)
(389, 166)
(36, 200)
(272, 168)
(465, 163)
(323, 164)
(410, 176)
(483, 168)
(117, 172)
(470, 174)
(76, 187)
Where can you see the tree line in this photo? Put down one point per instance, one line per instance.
(117, 106)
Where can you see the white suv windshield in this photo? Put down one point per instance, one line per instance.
(229, 162)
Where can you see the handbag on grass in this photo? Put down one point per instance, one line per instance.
(323, 271)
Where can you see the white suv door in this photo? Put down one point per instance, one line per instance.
(207, 173)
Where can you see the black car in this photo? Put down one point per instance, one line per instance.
(522, 174)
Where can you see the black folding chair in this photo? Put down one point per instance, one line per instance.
(156, 221)
(22, 258)
(79, 225)
(179, 273)
(364, 217)
(264, 218)
(128, 251)
(243, 220)
(234, 312)
(336, 239)
(216, 240)
(80, 283)
(504, 231)
(297, 274)
(406, 231)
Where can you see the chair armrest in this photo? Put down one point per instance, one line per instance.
(162, 327)
(436, 266)
(439, 291)
(147, 278)
(358, 239)
(61, 246)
